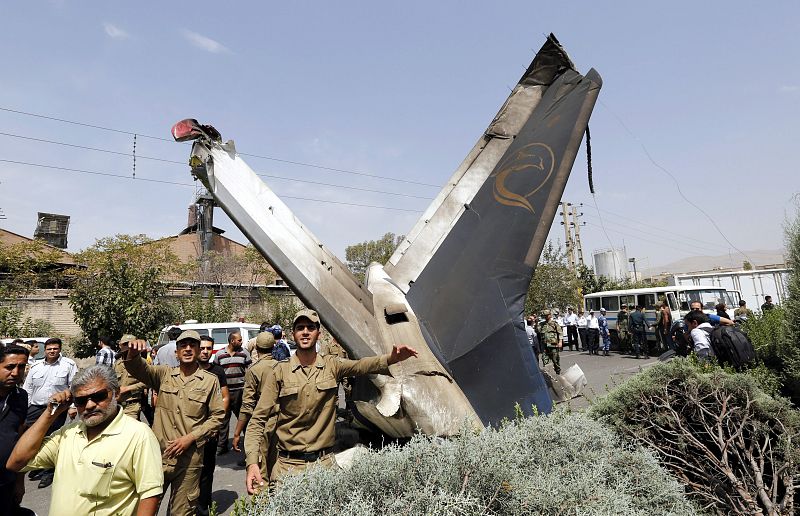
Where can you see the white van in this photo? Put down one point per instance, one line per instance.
(40, 340)
(218, 331)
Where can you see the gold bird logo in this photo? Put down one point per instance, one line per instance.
(536, 158)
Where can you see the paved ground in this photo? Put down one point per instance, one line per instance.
(602, 373)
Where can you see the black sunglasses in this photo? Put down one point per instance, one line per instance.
(97, 397)
(309, 327)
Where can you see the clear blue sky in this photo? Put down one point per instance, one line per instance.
(403, 90)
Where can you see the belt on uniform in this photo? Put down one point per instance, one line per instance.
(305, 456)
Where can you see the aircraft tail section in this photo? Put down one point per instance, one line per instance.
(419, 245)
(468, 288)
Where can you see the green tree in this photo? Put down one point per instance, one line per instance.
(747, 266)
(360, 255)
(24, 267)
(207, 309)
(554, 284)
(123, 288)
(278, 309)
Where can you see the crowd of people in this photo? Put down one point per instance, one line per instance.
(575, 329)
(144, 420)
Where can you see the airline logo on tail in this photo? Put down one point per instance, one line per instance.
(526, 170)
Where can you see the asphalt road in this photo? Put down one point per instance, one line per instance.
(602, 373)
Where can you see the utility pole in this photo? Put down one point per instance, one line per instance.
(576, 227)
(568, 234)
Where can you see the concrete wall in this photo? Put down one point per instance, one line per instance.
(52, 305)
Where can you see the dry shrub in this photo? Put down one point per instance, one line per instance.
(732, 445)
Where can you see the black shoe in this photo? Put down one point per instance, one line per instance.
(46, 480)
(241, 463)
(222, 451)
(36, 474)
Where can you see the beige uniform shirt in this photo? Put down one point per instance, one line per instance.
(186, 405)
(126, 380)
(305, 400)
(253, 380)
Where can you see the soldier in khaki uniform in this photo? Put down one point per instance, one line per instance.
(130, 389)
(551, 338)
(254, 379)
(189, 410)
(303, 392)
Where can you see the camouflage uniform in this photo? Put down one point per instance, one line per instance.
(551, 338)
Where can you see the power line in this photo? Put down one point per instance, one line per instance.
(669, 240)
(129, 178)
(84, 147)
(271, 158)
(630, 235)
(629, 220)
(135, 155)
(126, 154)
(674, 180)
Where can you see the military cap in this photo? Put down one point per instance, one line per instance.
(127, 338)
(265, 340)
(188, 334)
(308, 314)
(545, 312)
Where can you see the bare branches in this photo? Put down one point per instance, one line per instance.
(730, 444)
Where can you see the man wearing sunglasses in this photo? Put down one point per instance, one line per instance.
(106, 463)
(188, 413)
(303, 391)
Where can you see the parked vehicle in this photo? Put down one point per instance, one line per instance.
(678, 298)
(40, 340)
(218, 331)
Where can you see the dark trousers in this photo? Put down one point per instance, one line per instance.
(572, 337)
(207, 476)
(640, 342)
(235, 404)
(584, 334)
(594, 340)
(34, 411)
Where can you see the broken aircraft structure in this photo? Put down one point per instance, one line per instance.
(455, 288)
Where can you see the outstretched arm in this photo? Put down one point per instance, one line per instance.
(30, 442)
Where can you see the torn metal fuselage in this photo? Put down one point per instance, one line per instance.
(455, 287)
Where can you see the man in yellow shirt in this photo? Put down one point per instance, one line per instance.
(106, 463)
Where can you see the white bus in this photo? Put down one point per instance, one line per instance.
(678, 298)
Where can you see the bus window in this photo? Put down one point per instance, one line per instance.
(708, 298)
(592, 303)
(610, 303)
(648, 301)
(628, 300)
(673, 302)
(732, 298)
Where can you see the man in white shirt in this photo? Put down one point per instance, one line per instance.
(571, 322)
(594, 333)
(700, 333)
(46, 378)
(583, 330)
(530, 330)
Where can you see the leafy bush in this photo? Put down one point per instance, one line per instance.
(559, 464)
(771, 334)
(732, 445)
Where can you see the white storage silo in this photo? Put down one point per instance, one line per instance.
(611, 263)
